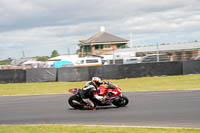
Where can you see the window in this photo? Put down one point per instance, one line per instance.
(82, 62)
(129, 60)
(122, 45)
(86, 48)
(92, 61)
(107, 46)
(98, 47)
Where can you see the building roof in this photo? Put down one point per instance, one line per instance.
(64, 58)
(17, 62)
(103, 37)
(170, 47)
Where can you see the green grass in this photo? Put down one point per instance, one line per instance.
(86, 129)
(132, 84)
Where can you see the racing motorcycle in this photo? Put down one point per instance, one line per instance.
(112, 93)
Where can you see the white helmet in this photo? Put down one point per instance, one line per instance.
(97, 80)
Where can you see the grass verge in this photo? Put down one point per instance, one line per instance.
(88, 129)
(133, 84)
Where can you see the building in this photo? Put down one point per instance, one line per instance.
(182, 51)
(101, 43)
(71, 58)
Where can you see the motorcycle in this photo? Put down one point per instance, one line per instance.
(112, 93)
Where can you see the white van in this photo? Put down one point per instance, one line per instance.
(89, 62)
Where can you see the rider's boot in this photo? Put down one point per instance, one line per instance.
(85, 107)
(91, 108)
(88, 107)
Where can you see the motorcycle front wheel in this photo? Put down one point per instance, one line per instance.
(121, 102)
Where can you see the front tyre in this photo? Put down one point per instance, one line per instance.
(121, 102)
(74, 101)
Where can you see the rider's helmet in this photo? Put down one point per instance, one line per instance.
(97, 81)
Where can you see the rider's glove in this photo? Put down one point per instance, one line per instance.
(106, 82)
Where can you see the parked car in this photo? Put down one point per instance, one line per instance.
(132, 60)
(155, 58)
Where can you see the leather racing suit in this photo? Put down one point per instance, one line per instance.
(88, 91)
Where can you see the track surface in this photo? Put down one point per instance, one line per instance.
(160, 109)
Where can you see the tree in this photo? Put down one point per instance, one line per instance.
(3, 63)
(42, 58)
(6, 61)
(54, 53)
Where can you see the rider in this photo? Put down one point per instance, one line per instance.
(89, 90)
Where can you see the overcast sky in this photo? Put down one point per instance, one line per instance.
(37, 27)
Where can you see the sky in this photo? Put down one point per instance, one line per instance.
(37, 27)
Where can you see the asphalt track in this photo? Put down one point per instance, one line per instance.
(160, 109)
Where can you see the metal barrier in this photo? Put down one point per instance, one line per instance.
(12, 76)
(41, 75)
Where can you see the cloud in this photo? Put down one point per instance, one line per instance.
(38, 27)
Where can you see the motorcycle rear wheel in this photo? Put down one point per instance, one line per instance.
(75, 105)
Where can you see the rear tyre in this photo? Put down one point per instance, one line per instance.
(74, 101)
(121, 102)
